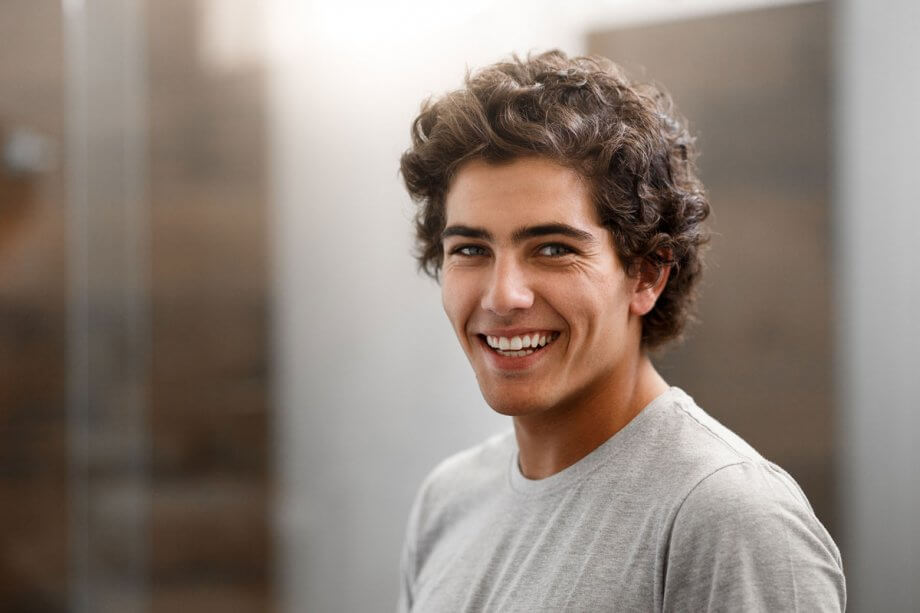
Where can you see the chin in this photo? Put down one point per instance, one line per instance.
(513, 405)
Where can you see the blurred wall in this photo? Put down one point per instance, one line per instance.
(878, 292)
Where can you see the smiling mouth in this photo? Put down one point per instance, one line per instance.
(519, 346)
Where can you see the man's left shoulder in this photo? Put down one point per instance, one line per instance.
(737, 521)
(731, 484)
(697, 435)
(679, 445)
(747, 534)
(748, 492)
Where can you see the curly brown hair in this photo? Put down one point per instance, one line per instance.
(584, 113)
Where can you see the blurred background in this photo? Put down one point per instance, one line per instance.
(221, 379)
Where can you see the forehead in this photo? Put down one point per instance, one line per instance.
(524, 191)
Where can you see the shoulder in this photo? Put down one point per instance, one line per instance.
(676, 444)
(725, 475)
(738, 532)
(746, 535)
(698, 437)
(449, 490)
(461, 478)
(747, 496)
(470, 468)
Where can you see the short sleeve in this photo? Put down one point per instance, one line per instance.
(404, 601)
(746, 539)
(407, 562)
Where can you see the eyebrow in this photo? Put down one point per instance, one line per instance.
(521, 234)
(467, 232)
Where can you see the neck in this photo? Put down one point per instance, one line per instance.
(554, 440)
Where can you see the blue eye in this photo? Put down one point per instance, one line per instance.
(554, 250)
(469, 250)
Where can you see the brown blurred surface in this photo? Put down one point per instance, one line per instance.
(755, 87)
(209, 481)
(209, 530)
(33, 293)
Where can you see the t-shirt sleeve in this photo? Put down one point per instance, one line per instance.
(407, 561)
(746, 539)
(404, 600)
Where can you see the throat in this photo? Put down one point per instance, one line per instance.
(552, 440)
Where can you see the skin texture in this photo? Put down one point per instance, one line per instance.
(524, 251)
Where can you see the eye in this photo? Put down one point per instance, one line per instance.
(469, 251)
(554, 250)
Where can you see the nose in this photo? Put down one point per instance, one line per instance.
(508, 288)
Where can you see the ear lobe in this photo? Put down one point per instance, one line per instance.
(650, 284)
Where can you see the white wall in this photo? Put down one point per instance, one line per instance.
(372, 389)
(878, 281)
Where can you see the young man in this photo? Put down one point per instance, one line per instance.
(560, 209)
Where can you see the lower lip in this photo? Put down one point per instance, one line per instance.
(513, 363)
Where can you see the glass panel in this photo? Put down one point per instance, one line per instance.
(108, 310)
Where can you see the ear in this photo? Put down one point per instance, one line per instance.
(650, 283)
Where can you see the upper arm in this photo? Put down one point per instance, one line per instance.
(745, 539)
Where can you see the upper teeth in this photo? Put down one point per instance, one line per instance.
(516, 343)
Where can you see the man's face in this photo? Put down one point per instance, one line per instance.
(534, 288)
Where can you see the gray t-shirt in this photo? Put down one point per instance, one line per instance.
(673, 513)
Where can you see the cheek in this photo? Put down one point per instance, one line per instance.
(595, 309)
(456, 298)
